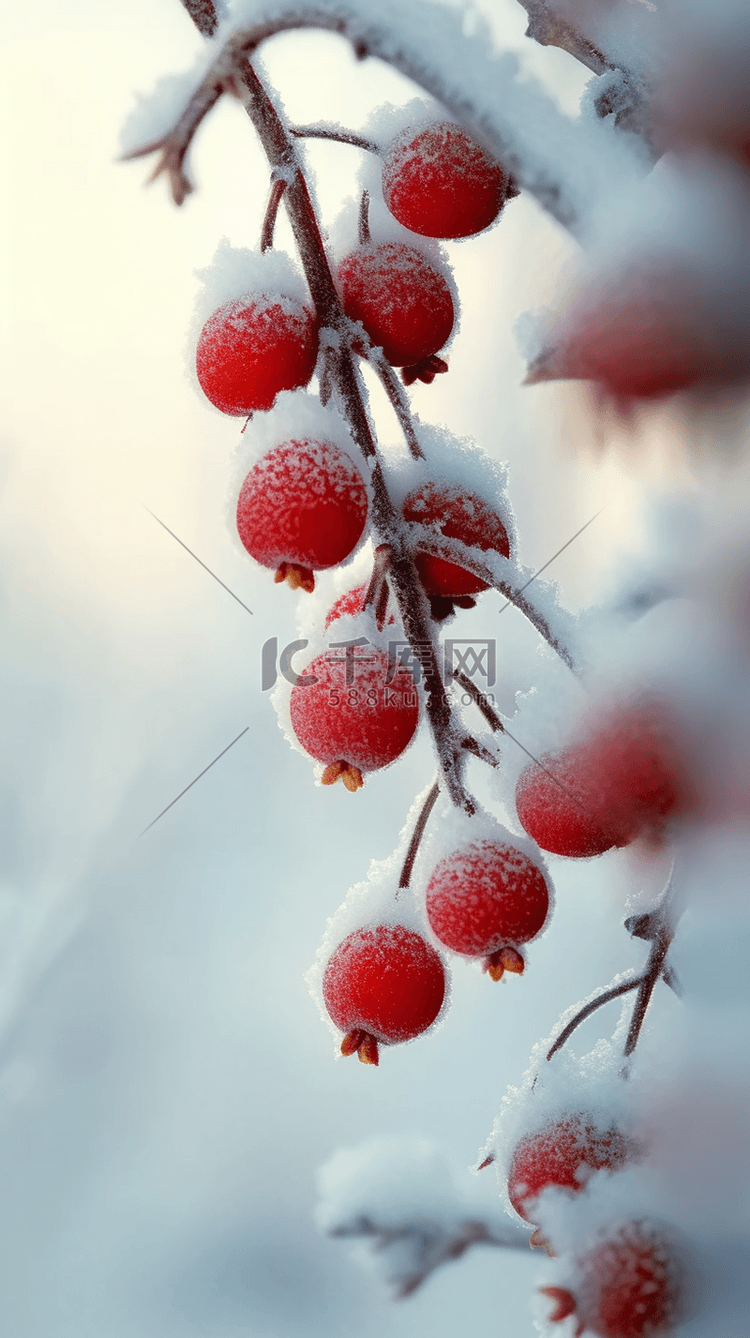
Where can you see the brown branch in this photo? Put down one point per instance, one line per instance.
(661, 931)
(203, 14)
(417, 835)
(551, 29)
(175, 144)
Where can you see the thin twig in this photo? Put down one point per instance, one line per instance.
(663, 933)
(340, 136)
(552, 559)
(393, 389)
(272, 208)
(591, 1008)
(417, 835)
(203, 14)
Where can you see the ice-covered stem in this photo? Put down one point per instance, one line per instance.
(568, 167)
(399, 402)
(417, 835)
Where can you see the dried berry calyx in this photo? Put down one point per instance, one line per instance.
(454, 514)
(403, 302)
(382, 986)
(254, 347)
(439, 182)
(302, 508)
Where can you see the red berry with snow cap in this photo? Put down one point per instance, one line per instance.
(403, 302)
(254, 347)
(302, 508)
(383, 986)
(484, 900)
(352, 711)
(454, 514)
(564, 1155)
(439, 182)
(632, 1285)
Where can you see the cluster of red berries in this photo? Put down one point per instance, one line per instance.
(303, 507)
(629, 1283)
(386, 984)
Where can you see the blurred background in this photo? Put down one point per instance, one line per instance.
(167, 1090)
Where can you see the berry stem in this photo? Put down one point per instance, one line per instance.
(590, 1008)
(417, 835)
(662, 933)
(340, 136)
(272, 208)
(399, 402)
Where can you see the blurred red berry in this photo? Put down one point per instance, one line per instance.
(625, 780)
(630, 1286)
(252, 348)
(439, 183)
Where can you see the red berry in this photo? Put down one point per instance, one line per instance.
(440, 183)
(357, 719)
(456, 515)
(564, 1155)
(252, 348)
(303, 504)
(622, 782)
(486, 896)
(630, 1286)
(403, 302)
(383, 985)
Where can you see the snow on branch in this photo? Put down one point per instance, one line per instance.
(401, 1198)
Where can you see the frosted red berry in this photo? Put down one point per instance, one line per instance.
(622, 781)
(304, 505)
(454, 514)
(383, 986)
(364, 717)
(403, 302)
(485, 896)
(563, 1155)
(252, 348)
(632, 1285)
(440, 183)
